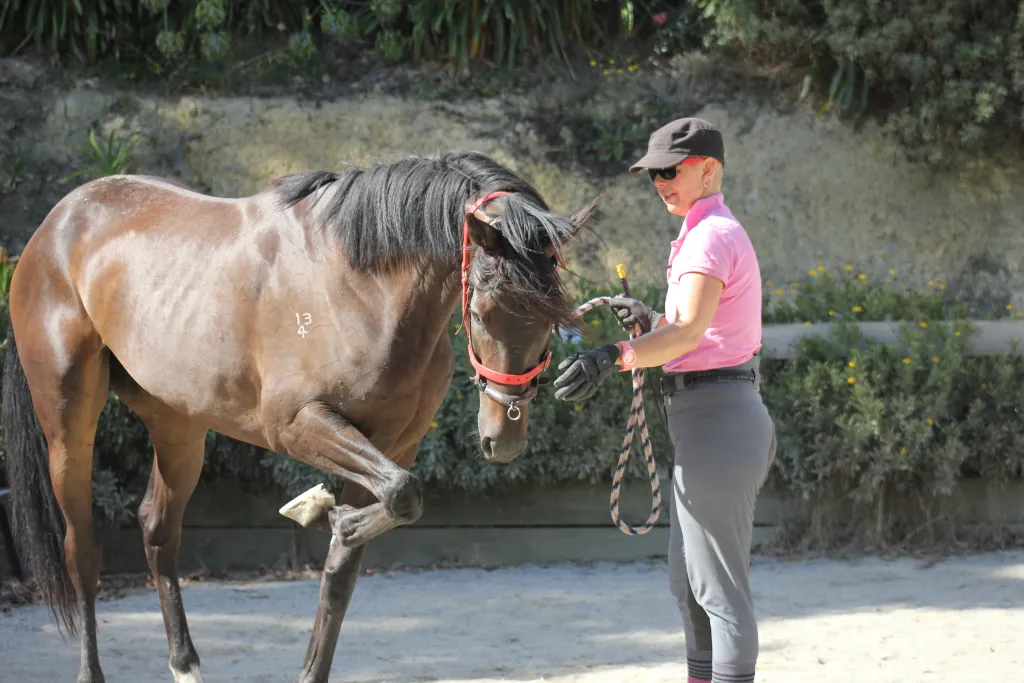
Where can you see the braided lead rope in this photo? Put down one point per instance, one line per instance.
(636, 415)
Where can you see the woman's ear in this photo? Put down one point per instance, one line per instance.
(708, 172)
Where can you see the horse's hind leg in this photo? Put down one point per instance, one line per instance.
(178, 446)
(69, 401)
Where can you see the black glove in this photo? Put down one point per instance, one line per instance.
(631, 312)
(586, 370)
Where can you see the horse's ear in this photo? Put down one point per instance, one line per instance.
(581, 218)
(483, 230)
(483, 234)
(579, 221)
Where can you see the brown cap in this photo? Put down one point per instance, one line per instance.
(682, 138)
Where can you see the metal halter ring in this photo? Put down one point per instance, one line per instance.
(513, 412)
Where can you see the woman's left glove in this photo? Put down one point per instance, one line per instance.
(584, 372)
(632, 312)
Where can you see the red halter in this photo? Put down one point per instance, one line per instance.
(483, 370)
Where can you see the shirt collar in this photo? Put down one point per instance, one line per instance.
(701, 208)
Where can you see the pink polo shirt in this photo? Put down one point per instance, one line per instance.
(712, 241)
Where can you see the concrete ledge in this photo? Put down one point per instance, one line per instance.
(228, 529)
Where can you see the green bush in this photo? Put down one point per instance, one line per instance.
(884, 430)
(888, 431)
(506, 32)
(945, 75)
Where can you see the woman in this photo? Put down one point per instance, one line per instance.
(708, 343)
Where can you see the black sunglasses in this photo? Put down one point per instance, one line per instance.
(670, 173)
(666, 173)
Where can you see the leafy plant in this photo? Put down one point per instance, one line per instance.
(111, 157)
(85, 28)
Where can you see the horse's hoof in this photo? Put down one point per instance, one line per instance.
(190, 676)
(309, 508)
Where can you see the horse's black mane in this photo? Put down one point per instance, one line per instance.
(415, 206)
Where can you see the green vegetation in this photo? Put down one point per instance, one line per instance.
(944, 76)
(858, 422)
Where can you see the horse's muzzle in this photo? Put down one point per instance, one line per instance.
(501, 451)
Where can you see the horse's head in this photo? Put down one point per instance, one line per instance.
(512, 299)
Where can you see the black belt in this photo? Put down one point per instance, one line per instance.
(670, 384)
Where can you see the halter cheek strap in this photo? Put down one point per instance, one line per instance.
(465, 251)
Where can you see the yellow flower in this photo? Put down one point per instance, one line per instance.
(458, 397)
(906, 361)
(931, 283)
(957, 333)
(930, 421)
(595, 323)
(606, 72)
(619, 70)
(903, 451)
(848, 267)
(852, 380)
(892, 271)
(768, 284)
(857, 309)
(611, 61)
(578, 408)
(807, 322)
(1009, 307)
(923, 324)
(852, 363)
(593, 62)
(433, 425)
(831, 313)
(862, 276)
(796, 284)
(821, 268)
(779, 292)
(812, 273)
(935, 359)
(792, 291)
(942, 285)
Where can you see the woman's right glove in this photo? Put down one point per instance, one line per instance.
(633, 312)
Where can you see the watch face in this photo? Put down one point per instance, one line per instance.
(628, 357)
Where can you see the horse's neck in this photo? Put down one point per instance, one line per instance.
(426, 295)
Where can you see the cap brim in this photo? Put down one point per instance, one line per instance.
(658, 160)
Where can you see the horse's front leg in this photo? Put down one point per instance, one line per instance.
(339, 580)
(320, 437)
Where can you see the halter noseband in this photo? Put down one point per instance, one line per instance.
(483, 373)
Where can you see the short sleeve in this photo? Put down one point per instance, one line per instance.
(706, 249)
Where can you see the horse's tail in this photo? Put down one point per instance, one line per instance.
(37, 520)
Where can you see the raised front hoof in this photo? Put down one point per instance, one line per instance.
(310, 509)
(355, 526)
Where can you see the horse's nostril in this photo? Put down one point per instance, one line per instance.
(487, 444)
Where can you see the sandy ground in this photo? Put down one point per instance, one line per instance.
(821, 621)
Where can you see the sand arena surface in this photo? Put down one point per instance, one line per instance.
(821, 621)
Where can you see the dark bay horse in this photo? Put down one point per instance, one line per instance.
(310, 319)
